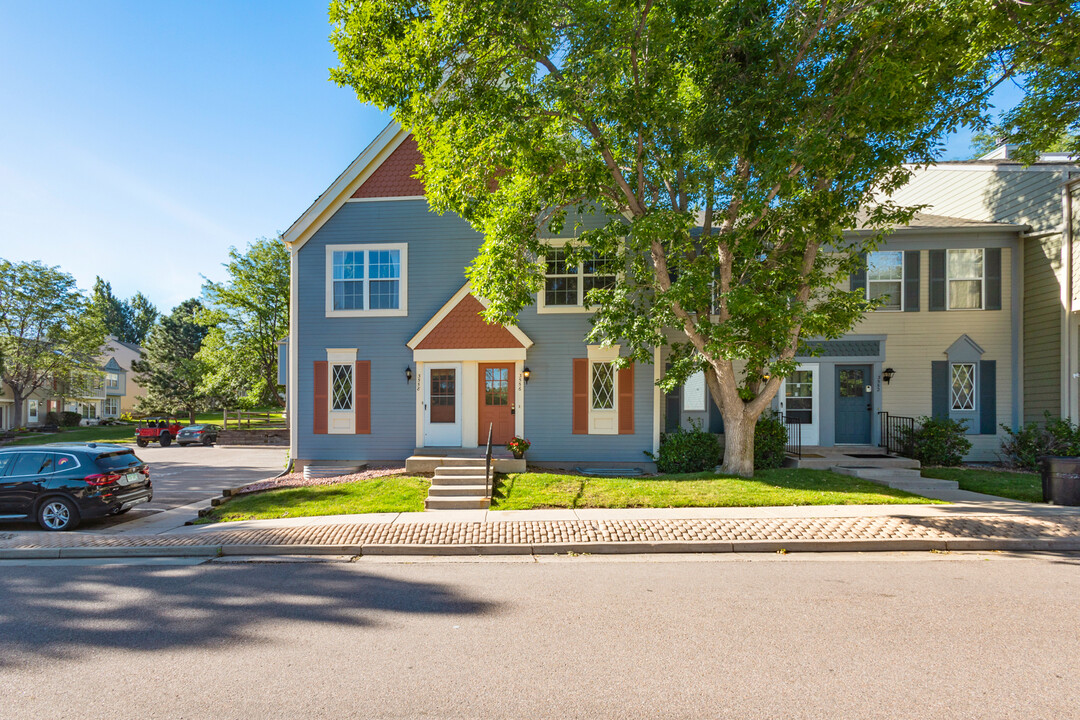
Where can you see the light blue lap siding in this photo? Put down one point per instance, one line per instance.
(440, 247)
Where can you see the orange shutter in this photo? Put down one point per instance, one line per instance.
(321, 411)
(363, 397)
(581, 396)
(626, 400)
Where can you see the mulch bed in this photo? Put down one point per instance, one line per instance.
(293, 480)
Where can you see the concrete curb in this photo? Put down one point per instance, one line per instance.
(598, 548)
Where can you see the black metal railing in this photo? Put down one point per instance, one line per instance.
(794, 435)
(896, 432)
(489, 477)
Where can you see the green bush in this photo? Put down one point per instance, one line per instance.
(1025, 447)
(687, 451)
(52, 418)
(70, 419)
(770, 441)
(937, 441)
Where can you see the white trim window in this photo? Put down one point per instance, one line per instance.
(962, 395)
(111, 407)
(112, 380)
(341, 386)
(603, 390)
(367, 280)
(341, 390)
(566, 286)
(966, 279)
(885, 278)
(31, 411)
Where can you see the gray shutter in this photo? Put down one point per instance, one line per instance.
(672, 407)
(939, 388)
(992, 258)
(858, 278)
(937, 280)
(988, 397)
(911, 281)
(716, 420)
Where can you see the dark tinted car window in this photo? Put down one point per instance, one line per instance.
(197, 427)
(116, 460)
(29, 463)
(63, 462)
(5, 460)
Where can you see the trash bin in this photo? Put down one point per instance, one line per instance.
(1061, 480)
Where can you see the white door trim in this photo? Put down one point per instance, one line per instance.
(442, 434)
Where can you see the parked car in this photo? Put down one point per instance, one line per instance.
(198, 434)
(160, 430)
(61, 484)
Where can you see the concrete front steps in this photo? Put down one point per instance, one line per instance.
(460, 484)
(906, 479)
(426, 460)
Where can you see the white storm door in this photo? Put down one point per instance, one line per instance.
(799, 402)
(442, 405)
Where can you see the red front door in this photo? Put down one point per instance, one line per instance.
(496, 403)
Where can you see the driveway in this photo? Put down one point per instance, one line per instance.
(186, 475)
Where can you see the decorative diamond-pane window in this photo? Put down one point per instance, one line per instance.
(965, 279)
(963, 386)
(342, 387)
(496, 386)
(603, 386)
(885, 278)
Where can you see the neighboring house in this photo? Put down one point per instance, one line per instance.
(124, 388)
(1045, 197)
(33, 410)
(108, 395)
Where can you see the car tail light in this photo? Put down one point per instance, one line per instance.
(145, 470)
(102, 479)
(198, 432)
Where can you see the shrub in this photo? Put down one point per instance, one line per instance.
(770, 441)
(937, 441)
(687, 451)
(126, 417)
(52, 418)
(1027, 446)
(70, 419)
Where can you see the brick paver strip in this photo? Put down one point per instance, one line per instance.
(546, 532)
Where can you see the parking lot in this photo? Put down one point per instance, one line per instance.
(186, 475)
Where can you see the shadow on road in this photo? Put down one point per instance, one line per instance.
(64, 612)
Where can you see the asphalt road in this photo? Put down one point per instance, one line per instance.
(184, 475)
(796, 636)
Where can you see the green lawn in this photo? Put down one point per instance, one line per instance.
(277, 418)
(786, 486)
(385, 494)
(1023, 486)
(101, 434)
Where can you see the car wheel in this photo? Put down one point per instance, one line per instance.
(165, 439)
(57, 513)
(141, 442)
(207, 442)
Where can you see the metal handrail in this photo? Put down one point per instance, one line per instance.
(794, 436)
(489, 480)
(896, 432)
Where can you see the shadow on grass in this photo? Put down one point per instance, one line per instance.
(67, 612)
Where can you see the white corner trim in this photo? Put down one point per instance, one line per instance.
(385, 199)
(403, 280)
(449, 305)
(345, 185)
(656, 401)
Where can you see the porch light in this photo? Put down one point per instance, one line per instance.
(887, 375)
(408, 374)
(526, 373)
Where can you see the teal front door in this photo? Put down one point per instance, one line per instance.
(854, 403)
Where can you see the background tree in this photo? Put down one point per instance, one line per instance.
(46, 333)
(984, 141)
(170, 368)
(249, 313)
(768, 125)
(143, 316)
(127, 320)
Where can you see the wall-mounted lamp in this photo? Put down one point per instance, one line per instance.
(887, 375)
(408, 374)
(526, 373)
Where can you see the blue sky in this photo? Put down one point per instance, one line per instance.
(139, 141)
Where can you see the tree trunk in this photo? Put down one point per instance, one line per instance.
(738, 444)
(191, 416)
(16, 419)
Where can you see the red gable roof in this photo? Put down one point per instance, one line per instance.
(463, 328)
(394, 177)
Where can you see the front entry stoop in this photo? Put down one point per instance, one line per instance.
(459, 486)
(905, 479)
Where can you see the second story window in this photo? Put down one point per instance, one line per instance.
(112, 380)
(566, 286)
(885, 278)
(366, 280)
(965, 274)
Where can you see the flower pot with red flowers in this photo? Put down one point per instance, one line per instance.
(518, 446)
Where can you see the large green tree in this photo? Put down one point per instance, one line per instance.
(726, 142)
(126, 320)
(249, 314)
(46, 333)
(170, 369)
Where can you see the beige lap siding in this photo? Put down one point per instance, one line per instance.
(917, 338)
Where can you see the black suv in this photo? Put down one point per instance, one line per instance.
(62, 483)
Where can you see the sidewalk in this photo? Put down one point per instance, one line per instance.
(971, 525)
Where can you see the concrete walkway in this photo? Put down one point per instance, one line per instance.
(969, 525)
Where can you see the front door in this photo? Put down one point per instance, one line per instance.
(496, 403)
(799, 402)
(853, 404)
(442, 405)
